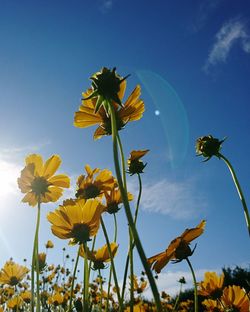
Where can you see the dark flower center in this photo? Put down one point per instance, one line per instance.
(112, 208)
(183, 251)
(108, 127)
(40, 186)
(98, 265)
(13, 281)
(80, 233)
(91, 191)
(136, 166)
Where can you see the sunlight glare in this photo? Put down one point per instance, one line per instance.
(9, 172)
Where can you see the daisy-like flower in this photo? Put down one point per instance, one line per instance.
(178, 249)
(114, 199)
(139, 287)
(212, 305)
(87, 116)
(49, 244)
(135, 165)
(235, 298)
(12, 273)
(99, 256)
(38, 181)
(94, 183)
(212, 285)
(15, 303)
(208, 146)
(78, 221)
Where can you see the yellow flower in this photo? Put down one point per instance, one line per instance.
(38, 181)
(139, 287)
(49, 244)
(99, 256)
(234, 297)
(42, 261)
(135, 165)
(94, 183)
(212, 285)
(78, 221)
(26, 296)
(15, 302)
(113, 199)
(12, 273)
(178, 248)
(132, 110)
(212, 305)
(56, 299)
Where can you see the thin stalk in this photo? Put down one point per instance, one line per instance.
(123, 162)
(73, 280)
(37, 259)
(240, 193)
(195, 286)
(133, 245)
(177, 299)
(112, 265)
(129, 214)
(110, 271)
(101, 289)
(131, 303)
(35, 263)
(86, 280)
(92, 249)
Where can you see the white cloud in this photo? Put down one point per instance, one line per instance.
(233, 32)
(168, 281)
(178, 200)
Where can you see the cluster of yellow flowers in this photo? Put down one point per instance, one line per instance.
(78, 219)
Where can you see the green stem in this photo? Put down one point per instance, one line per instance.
(92, 250)
(123, 162)
(101, 289)
(86, 280)
(110, 271)
(35, 263)
(240, 193)
(129, 214)
(131, 304)
(112, 265)
(73, 280)
(195, 286)
(177, 299)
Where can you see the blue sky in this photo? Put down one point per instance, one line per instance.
(193, 63)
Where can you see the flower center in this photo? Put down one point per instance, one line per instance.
(14, 281)
(80, 233)
(91, 191)
(112, 208)
(183, 251)
(40, 186)
(108, 127)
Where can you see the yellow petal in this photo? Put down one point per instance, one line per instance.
(61, 180)
(190, 234)
(30, 198)
(51, 166)
(37, 161)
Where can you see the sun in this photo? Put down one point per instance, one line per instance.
(9, 173)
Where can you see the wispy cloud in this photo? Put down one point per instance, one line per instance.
(205, 9)
(178, 200)
(105, 5)
(231, 33)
